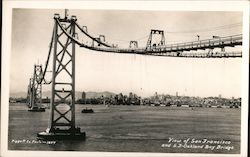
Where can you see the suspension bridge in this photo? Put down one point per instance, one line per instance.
(65, 37)
(159, 49)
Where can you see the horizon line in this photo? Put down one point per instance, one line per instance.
(179, 94)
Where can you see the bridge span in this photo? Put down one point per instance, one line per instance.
(184, 49)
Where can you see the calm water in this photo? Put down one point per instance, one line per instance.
(133, 129)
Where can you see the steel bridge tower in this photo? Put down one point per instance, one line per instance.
(133, 44)
(151, 46)
(62, 114)
(34, 97)
(29, 93)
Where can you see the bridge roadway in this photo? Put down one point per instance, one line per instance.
(171, 50)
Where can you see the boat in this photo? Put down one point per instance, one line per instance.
(86, 110)
(37, 109)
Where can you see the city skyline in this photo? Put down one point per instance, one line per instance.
(102, 93)
(143, 75)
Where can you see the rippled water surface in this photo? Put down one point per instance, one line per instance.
(130, 129)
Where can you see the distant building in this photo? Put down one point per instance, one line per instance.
(156, 97)
(83, 95)
(130, 95)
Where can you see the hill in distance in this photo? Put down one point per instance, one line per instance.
(78, 94)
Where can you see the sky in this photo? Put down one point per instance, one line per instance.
(143, 75)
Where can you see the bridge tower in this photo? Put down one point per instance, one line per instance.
(62, 108)
(29, 93)
(34, 98)
(133, 44)
(102, 38)
(151, 45)
(95, 41)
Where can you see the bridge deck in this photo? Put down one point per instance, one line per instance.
(179, 48)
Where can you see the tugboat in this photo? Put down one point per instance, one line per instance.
(86, 110)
